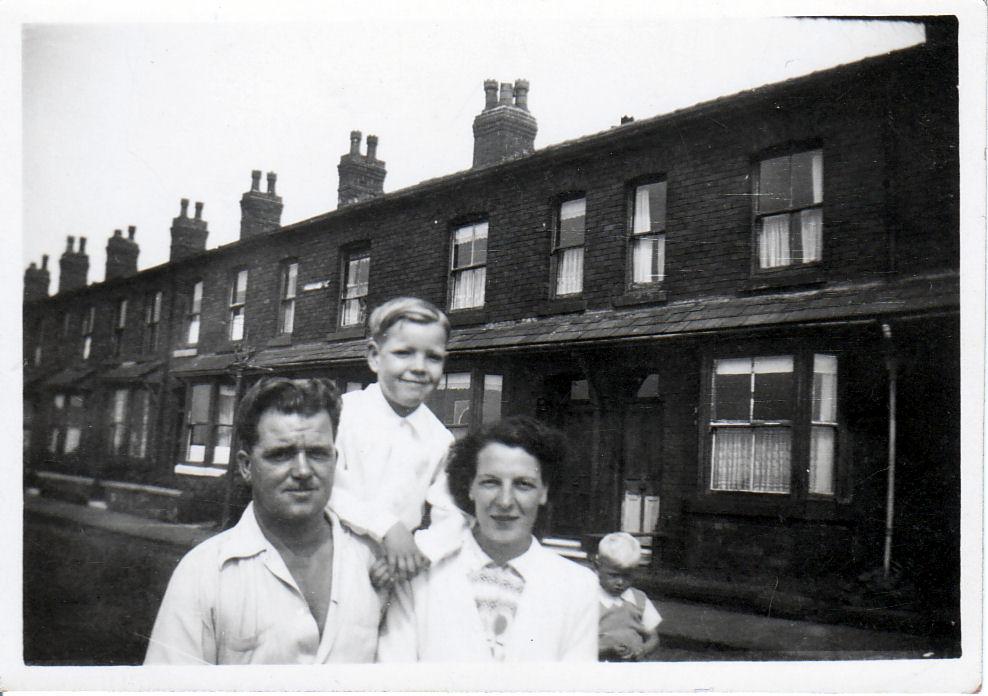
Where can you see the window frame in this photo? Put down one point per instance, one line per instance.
(558, 249)
(120, 308)
(212, 425)
(351, 254)
(758, 216)
(801, 394)
(287, 285)
(133, 420)
(633, 237)
(152, 319)
(237, 307)
(88, 326)
(193, 317)
(456, 272)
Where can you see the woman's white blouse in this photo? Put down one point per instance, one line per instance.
(434, 618)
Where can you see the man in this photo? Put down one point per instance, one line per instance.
(288, 584)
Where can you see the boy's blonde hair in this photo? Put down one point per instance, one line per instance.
(620, 549)
(405, 308)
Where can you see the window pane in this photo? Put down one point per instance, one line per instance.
(117, 431)
(773, 242)
(227, 404)
(198, 440)
(87, 344)
(199, 408)
(470, 245)
(72, 437)
(288, 316)
(807, 178)
(53, 441)
(773, 388)
(197, 298)
(241, 288)
(221, 450)
(492, 398)
(824, 389)
(569, 271)
(468, 288)
(811, 234)
(157, 306)
(119, 412)
(194, 329)
(353, 312)
(121, 314)
(237, 324)
(648, 259)
(59, 401)
(770, 467)
(731, 394)
(650, 208)
(139, 425)
(730, 454)
(822, 460)
(773, 185)
(579, 390)
(76, 404)
(649, 387)
(291, 279)
(452, 398)
(572, 222)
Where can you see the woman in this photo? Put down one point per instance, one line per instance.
(500, 596)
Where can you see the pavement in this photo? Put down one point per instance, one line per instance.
(689, 630)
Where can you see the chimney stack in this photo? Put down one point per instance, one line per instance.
(504, 129)
(260, 212)
(361, 176)
(188, 235)
(73, 266)
(36, 281)
(121, 254)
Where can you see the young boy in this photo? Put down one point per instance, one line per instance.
(628, 620)
(392, 448)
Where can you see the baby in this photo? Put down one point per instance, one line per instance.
(628, 620)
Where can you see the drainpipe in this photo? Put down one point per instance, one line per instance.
(891, 364)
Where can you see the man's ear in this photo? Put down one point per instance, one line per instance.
(373, 355)
(243, 465)
(544, 498)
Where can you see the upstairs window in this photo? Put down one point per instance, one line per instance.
(755, 415)
(468, 266)
(238, 304)
(119, 324)
(152, 321)
(193, 319)
(648, 234)
(88, 322)
(286, 308)
(39, 344)
(356, 277)
(789, 210)
(567, 246)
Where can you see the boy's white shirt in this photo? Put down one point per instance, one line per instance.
(389, 467)
(650, 615)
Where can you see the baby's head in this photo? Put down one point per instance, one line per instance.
(407, 350)
(617, 557)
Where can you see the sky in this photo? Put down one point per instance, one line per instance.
(122, 119)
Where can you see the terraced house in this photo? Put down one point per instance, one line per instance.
(743, 313)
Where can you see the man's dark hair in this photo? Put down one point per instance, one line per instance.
(539, 440)
(306, 397)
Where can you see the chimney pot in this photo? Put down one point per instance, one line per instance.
(131, 231)
(117, 233)
(272, 180)
(355, 143)
(627, 119)
(32, 266)
(521, 94)
(506, 94)
(69, 243)
(44, 262)
(372, 147)
(82, 245)
(490, 94)
(255, 180)
(185, 208)
(198, 210)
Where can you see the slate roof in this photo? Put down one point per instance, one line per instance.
(935, 293)
(839, 303)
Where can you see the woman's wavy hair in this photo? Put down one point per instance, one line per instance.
(544, 443)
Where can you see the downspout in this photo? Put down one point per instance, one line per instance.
(891, 364)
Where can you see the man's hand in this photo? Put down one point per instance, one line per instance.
(402, 555)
